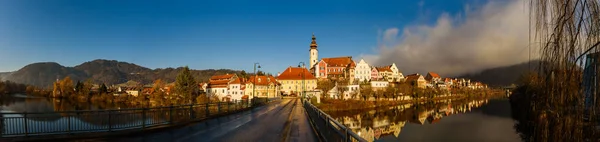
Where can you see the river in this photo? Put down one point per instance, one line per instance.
(465, 121)
(46, 115)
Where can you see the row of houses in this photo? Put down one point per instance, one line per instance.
(345, 67)
(292, 80)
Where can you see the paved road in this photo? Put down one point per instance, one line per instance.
(282, 120)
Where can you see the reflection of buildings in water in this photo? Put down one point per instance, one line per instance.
(374, 133)
(375, 124)
(352, 122)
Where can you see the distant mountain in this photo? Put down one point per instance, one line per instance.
(502, 76)
(101, 71)
(3, 75)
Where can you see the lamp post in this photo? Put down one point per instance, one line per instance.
(303, 86)
(254, 84)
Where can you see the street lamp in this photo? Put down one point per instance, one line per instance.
(254, 84)
(303, 86)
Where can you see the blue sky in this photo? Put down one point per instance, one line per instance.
(202, 34)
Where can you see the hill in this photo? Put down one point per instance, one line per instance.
(502, 76)
(101, 71)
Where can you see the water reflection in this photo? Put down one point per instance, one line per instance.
(49, 115)
(450, 120)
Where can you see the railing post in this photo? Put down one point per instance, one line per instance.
(191, 111)
(347, 135)
(143, 118)
(171, 114)
(218, 107)
(228, 105)
(69, 124)
(207, 110)
(109, 121)
(25, 123)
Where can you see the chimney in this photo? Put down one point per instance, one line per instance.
(278, 73)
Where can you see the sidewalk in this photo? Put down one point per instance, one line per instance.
(301, 130)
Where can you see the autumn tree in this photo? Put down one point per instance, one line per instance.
(391, 92)
(325, 85)
(366, 92)
(63, 87)
(185, 85)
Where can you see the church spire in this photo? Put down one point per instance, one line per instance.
(313, 44)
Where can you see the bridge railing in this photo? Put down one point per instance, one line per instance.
(328, 128)
(25, 124)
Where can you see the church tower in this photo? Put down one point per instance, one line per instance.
(314, 53)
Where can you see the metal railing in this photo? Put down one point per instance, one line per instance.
(328, 128)
(89, 121)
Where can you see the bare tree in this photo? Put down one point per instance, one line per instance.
(564, 32)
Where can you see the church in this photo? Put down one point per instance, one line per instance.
(336, 67)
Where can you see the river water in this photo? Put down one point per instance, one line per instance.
(48, 116)
(464, 121)
(458, 120)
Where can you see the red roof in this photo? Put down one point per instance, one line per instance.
(295, 73)
(385, 68)
(434, 75)
(262, 80)
(218, 83)
(413, 77)
(219, 77)
(338, 61)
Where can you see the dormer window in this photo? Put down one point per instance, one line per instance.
(259, 80)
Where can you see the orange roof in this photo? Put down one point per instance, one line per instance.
(219, 77)
(295, 73)
(434, 75)
(338, 61)
(239, 81)
(218, 83)
(352, 65)
(262, 80)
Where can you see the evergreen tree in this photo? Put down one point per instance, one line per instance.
(78, 87)
(103, 89)
(260, 73)
(243, 74)
(185, 85)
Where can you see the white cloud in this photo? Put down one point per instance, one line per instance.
(491, 36)
(390, 34)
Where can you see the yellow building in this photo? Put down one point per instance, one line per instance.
(266, 87)
(294, 80)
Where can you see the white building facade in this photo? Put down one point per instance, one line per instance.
(362, 71)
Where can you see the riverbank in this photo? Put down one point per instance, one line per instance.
(353, 105)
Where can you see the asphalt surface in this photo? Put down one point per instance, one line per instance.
(282, 120)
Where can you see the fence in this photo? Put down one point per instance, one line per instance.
(328, 128)
(88, 121)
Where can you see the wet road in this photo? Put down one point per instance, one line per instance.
(282, 120)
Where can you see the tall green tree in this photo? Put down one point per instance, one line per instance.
(243, 74)
(185, 85)
(260, 73)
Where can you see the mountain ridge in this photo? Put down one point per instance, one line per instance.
(43, 74)
(502, 76)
